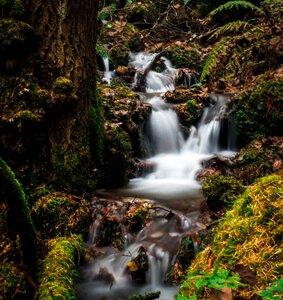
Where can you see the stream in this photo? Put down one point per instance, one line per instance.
(170, 187)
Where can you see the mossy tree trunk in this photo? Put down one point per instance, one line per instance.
(18, 217)
(62, 64)
(67, 37)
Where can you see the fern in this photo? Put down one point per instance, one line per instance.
(235, 5)
(217, 280)
(101, 50)
(232, 27)
(214, 58)
(274, 292)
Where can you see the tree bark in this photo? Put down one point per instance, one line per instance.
(18, 216)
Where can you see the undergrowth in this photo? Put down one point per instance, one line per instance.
(249, 236)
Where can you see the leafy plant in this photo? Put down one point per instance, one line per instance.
(274, 292)
(214, 58)
(236, 5)
(217, 280)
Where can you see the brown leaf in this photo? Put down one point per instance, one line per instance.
(245, 273)
(223, 294)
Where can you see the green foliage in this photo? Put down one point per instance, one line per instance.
(230, 5)
(19, 218)
(116, 156)
(13, 281)
(59, 270)
(213, 58)
(233, 27)
(13, 33)
(101, 50)
(217, 280)
(259, 110)
(96, 126)
(274, 292)
(221, 190)
(249, 235)
(56, 214)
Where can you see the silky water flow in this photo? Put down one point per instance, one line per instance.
(172, 184)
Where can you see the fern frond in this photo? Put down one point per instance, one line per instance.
(235, 5)
(234, 27)
(101, 50)
(214, 57)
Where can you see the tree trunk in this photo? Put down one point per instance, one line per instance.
(18, 217)
(57, 79)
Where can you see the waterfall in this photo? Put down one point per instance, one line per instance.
(107, 74)
(172, 184)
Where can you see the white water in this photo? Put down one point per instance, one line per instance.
(172, 184)
(107, 74)
(176, 160)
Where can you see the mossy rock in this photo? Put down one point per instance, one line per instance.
(59, 272)
(142, 13)
(57, 214)
(137, 216)
(117, 157)
(259, 158)
(221, 191)
(249, 237)
(259, 110)
(121, 38)
(185, 56)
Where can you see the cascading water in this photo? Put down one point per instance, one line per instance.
(172, 184)
(107, 74)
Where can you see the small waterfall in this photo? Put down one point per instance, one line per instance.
(176, 161)
(107, 74)
(172, 184)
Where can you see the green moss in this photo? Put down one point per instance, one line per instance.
(59, 270)
(11, 8)
(221, 191)
(96, 126)
(13, 34)
(185, 57)
(63, 85)
(13, 281)
(116, 157)
(259, 110)
(250, 232)
(137, 216)
(19, 219)
(57, 214)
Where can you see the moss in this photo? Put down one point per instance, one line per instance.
(63, 85)
(221, 191)
(183, 56)
(59, 269)
(57, 214)
(250, 233)
(18, 216)
(111, 233)
(259, 110)
(257, 159)
(66, 165)
(11, 8)
(13, 284)
(137, 217)
(117, 155)
(96, 126)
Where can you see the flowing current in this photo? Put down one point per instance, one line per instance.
(171, 184)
